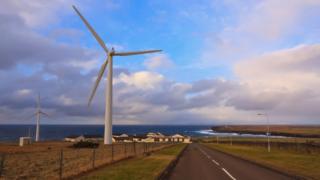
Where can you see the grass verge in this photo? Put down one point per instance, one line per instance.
(146, 167)
(300, 164)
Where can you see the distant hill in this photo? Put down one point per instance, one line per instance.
(307, 131)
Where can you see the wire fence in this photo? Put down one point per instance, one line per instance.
(69, 162)
(300, 145)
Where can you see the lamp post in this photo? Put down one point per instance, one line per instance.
(268, 128)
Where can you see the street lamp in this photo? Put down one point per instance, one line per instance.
(268, 129)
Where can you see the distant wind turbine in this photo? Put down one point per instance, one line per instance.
(38, 114)
(109, 59)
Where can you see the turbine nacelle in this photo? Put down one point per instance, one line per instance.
(112, 52)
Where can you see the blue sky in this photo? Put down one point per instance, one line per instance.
(178, 29)
(222, 61)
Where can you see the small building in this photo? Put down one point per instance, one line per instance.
(122, 139)
(24, 140)
(138, 138)
(74, 138)
(93, 137)
(149, 138)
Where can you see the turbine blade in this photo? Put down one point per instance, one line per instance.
(93, 32)
(96, 84)
(135, 52)
(38, 101)
(44, 113)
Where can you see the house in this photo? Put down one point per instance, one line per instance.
(138, 138)
(74, 138)
(93, 137)
(122, 139)
(155, 135)
(120, 135)
(25, 140)
(148, 138)
(181, 138)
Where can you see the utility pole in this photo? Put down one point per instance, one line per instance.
(268, 128)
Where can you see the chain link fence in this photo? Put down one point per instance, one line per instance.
(69, 162)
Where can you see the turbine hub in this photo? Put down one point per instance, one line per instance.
(112, 51)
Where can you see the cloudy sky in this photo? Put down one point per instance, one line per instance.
(223, 61)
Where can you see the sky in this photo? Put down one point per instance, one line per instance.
(223, 61)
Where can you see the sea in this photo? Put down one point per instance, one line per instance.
(11, 133)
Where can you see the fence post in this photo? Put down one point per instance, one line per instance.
(93, 157)
(61, 164)
(111, 152)
(134, 148)
(2, 164)
(145, 147)
(125, 150)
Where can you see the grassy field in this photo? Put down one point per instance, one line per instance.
(43, 160)
(139, 168)
(227, 139)
(285, 130)
(301, 164)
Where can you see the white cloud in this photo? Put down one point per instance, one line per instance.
(141, 80)
(66, 100)
(23, 92)
(161, 62)
(272, 19)
(259, 25)
(86, 65)
(289, 69)
(37, 13)
(283, 82)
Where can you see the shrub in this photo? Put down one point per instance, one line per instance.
(85, 144)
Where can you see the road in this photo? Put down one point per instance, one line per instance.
(200, 163)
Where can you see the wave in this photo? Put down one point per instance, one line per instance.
(210, 132)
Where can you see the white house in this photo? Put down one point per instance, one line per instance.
(74, 138)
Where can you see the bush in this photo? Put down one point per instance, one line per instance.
(85, 144)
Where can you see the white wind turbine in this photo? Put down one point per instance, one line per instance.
(110, 54)
(38, 114)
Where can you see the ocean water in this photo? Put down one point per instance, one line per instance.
(58, 132)
(10, 133)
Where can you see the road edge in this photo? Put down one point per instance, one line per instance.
(165, 174)
(294, 176)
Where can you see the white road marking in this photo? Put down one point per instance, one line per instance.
(215, 162)
(209, 157)
(228, 174)
(203, 152)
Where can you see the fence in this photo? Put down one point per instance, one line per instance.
(287, 144)
(68, 162)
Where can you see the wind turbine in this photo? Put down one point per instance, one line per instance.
(38, 114)
(109, 60)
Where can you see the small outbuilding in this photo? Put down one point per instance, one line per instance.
(24, 140)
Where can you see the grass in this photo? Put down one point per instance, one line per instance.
(258, 139)
(140, 168)
(301, 164)
(42, 160)
(292, 130)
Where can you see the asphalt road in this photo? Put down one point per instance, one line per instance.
(200, 163)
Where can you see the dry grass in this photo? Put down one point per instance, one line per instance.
(42, 160)
(148, 167)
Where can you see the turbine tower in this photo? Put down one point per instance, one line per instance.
(109, 60)
(38, 114)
